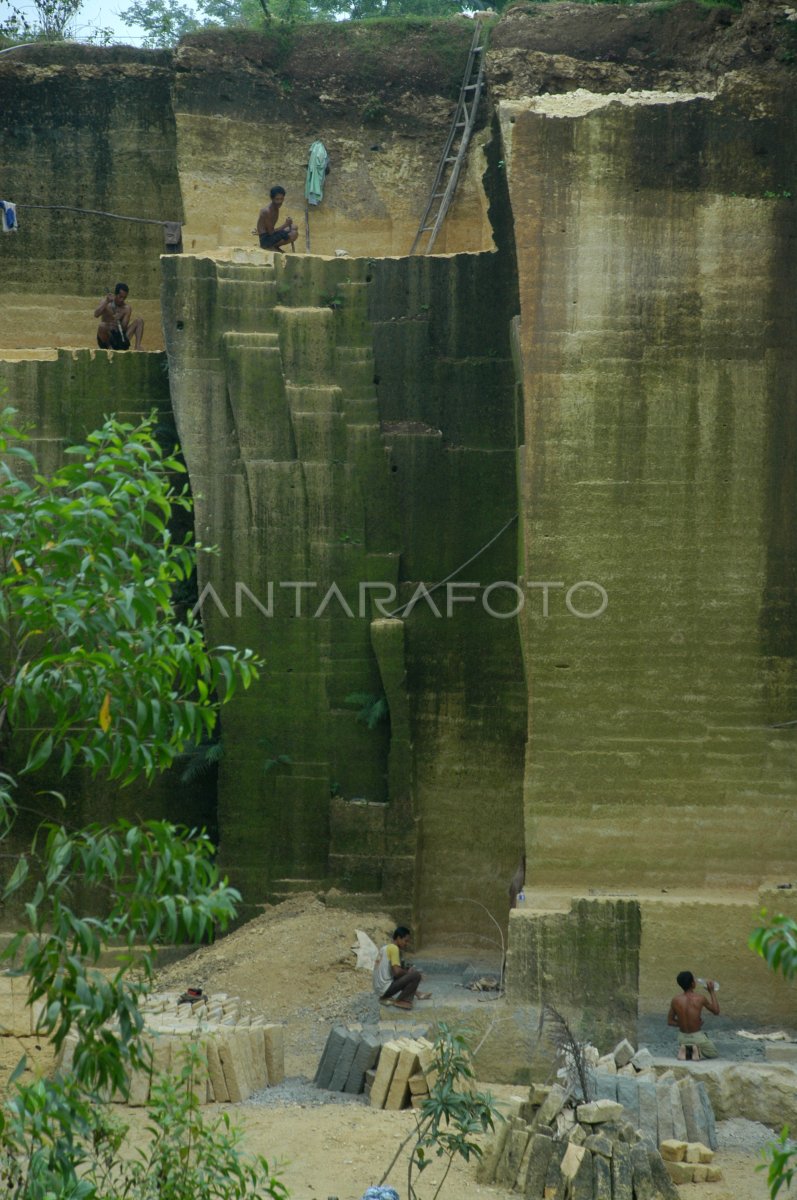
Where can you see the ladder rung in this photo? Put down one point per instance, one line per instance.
(452, 158)
(470, 87)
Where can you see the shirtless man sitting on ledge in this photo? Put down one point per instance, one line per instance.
(686, 1014)
(272, 236)
(116, 329)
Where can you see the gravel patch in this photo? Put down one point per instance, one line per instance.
(300, 1092)
(738, 1133)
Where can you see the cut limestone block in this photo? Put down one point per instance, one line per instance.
(696, 1152)
(678, 1119)
(215, 1072)
(622, 1185)
(6, 1006)
(552, 1105)
(601, 1178)
(274, 1040)
(398, 1095)
(418, 1085)
(606, 1085)
(708, 1115)
(713, 1174)
(234, 1073)
(664, 1187)
(555, 1185)
(388, 1058)
(623, 1053)
(664, 1112)
(680, 1172)
(607, 1065)
(540, 1149)
(597, 1112)
(628, 1096)
(699, 1173)
(648, 1112)
(258, 1052)
(644, 1188)
(642, 1060)
(582, 1183)
(336, 1039)
(571, 1161)
(673, 1151)
(488, 1164)
(509, 1166)
(364, 1058)
(696, 1126)
(599, 1143)
(345, 1059)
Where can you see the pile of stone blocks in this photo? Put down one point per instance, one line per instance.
(242, 1054)
(660, 1107)
(586, 1152)
(392, 1071)
(404, 1074)
(689, 1162)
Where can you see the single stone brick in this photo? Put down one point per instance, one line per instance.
(598, 1111)
(623, 1052)
(673, 1151)
(680, 1172)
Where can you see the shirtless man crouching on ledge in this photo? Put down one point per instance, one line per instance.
(116, 329)
(686, 1014)
(270, 235)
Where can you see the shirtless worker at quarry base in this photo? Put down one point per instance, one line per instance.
(116, 329)
(270, 235)
(686, 1014)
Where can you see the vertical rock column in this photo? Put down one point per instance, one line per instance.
(650, 239)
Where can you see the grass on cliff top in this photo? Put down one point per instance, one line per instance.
(368, 49)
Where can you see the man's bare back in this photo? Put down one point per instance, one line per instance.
(686, 1015)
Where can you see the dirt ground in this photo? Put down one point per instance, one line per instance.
(295, 964)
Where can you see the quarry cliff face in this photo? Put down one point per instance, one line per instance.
(510, 524)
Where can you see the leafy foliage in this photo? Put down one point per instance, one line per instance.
(90, 650)
(776, 943)
(373, 709)
(186, 1156)
(166, 21)
(94, 661)
(53, 21)
(780, 1166)
(571, 1052)
(451, 1117)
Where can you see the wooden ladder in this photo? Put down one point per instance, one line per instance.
(453, 156)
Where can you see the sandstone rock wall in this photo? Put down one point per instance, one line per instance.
(349, 422)
(652, 233)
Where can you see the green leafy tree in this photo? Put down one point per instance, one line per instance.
(93, 658)
(166, 21)
(94, 661)
(452, 1116)
(51, 20)
(776, 942)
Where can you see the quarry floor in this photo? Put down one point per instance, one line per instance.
(294, 963)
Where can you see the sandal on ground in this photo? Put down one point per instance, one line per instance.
(423, 995)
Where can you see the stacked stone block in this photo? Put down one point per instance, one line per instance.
(393, 1071)
(242, 1054)
(586, 1152)
(689, 1162)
